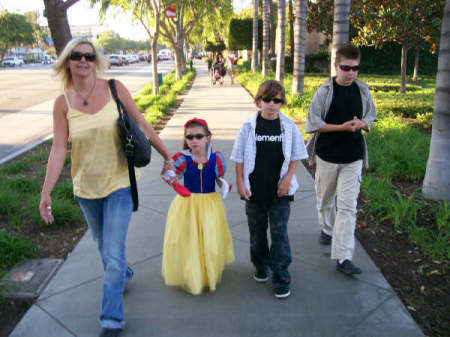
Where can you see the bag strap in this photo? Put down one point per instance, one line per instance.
(131, 173)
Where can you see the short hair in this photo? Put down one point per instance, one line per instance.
(61, 68)
(270, 88)
(348, 51)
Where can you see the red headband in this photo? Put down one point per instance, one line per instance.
(196, 120)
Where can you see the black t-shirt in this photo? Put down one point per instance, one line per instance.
(269, 159)
(342, 147)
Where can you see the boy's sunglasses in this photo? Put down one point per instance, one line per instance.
(275, 100)
(197, 136)
(348, 68)
(77, 56)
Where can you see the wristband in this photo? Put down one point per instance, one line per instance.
(170, 161)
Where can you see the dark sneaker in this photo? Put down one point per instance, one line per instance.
(282, 291)
(324, 238)
(110, 332)
(348, 268)
(260, 276)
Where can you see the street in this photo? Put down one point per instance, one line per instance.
(31, 84)
(27, 94)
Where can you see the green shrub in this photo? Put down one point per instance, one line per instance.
(16, 167)
(14, 249)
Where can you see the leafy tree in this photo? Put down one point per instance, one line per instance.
(217, 47)
(111, 42)
(56, 13)
(14, 31)
(436, 184)
(240, 34)
(40, 34)
(406, 22)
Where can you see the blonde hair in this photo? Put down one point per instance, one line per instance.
(61, 66)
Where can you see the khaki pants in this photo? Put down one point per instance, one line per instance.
(337, 189)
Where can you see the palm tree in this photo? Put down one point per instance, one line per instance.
(436, 184)
(281, 40)
(56, 13)
(255, 37)
(300, 47)
(265, 52)
(341, 26)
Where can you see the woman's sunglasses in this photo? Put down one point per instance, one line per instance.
(348, 68)
(275, 100)
(77, 56)
(197, 136)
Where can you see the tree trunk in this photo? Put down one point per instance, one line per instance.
(291, 30)
(56, 13)
(436, 184)
(404, 63)
(255, 37)
(265, 51)
(281, 40)
(155, 66)
(416, 64)
(341, 26)
(179, 62)
(271, 29)
(298, 78)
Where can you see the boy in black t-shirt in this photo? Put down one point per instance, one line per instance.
(340, 109)
(267, 151)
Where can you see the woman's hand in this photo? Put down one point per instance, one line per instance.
(45, 208)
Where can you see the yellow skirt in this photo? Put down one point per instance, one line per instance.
(197, 242)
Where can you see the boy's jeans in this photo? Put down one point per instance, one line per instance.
(108, 220)
(278, 257)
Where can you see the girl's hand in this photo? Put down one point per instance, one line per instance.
(283, 188)
(45, 208)
(168, 165)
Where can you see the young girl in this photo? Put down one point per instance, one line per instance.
(197, 241)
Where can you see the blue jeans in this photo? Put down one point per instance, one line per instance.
(108, 219)
(278, 257)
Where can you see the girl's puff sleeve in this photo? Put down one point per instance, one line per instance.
(221, 166)
(179, 163)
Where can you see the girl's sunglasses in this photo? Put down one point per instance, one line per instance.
(348, 68)
(197, 136)
(275, 100)
(77, 56)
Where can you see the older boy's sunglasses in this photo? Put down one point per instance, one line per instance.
(197, 136)
(275, 100)
(77, 56)
(348, 68)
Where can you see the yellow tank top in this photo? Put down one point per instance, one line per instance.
(99, 166)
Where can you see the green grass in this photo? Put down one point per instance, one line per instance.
(398, 152)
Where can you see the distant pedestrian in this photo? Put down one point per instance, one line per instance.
(267, 152)
(197, 240)
(86, 115)
(339, 110)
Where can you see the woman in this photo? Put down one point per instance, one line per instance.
(87, 114)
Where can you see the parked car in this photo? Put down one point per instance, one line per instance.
(164, 54)
(47, 60)
(115, 60)
(12, 62)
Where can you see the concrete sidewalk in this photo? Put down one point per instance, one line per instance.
(323, 302)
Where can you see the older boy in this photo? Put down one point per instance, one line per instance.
(339, 110)
(267, 152)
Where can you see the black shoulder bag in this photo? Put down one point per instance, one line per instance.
(136, 146)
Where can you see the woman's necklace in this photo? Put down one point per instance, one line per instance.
(85, 100)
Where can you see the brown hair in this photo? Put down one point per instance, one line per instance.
(270, 88)
(348, 51)
(194, 123)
